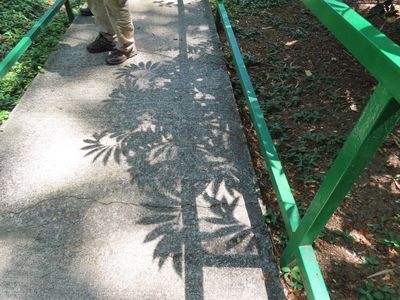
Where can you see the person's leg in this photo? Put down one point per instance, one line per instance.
(85, 11)
(105, 41)
(121, 22)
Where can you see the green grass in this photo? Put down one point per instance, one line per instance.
(16, 18)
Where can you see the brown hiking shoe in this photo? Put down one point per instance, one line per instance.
(100, 44)
(117, 57)
(85, 12)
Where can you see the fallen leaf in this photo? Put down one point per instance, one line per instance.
(384, 272)
(393, 252)
(291, 43)
(265, 277)
(354, 107)
(388, 277)
(360, 238)
(308, 73)
(391, 19)
(393, 161)
(396, 184)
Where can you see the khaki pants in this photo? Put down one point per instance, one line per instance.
(115, 20)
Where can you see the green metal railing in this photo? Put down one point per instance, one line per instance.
(381, 57)
(15, 54)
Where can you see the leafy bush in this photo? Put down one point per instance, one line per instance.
(16, 18)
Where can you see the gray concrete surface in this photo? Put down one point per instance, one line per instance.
(133, 181)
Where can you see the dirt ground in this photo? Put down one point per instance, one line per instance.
(312, 92)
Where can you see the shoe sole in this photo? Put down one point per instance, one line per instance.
(113, 63)
(99, 50)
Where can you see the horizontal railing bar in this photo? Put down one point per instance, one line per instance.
(374, 50)
(284, 194)
(16, 53)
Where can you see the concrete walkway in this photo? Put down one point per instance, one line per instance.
(133, 181)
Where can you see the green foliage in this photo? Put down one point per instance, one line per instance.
(4, 115)
(333, 236)
(280, 236)
(292, 277)
(372, 291)
(251, 34)
(391, 241)
(307, 150)
(253, 7)
(380, 226)
(236, 8)
(249, 59)
(307, 116)
(270, 217)
(16, 18)
(370, 260)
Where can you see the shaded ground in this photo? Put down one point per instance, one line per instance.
(312, 91)
(133, 181)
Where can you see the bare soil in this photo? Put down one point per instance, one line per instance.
(313, 91)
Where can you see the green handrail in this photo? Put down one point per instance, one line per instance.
(313, 280)
(16, 53)
(381, 57)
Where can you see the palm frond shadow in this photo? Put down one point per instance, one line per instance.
(223, 202)
(99, 148)
(178, 148)
(172, 235)
(154, 150)
(166, 3)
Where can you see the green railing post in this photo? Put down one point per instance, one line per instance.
(376, 122)
(69, 11)
(313, 280)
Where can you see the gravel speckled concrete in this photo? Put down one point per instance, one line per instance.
(133, 181)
